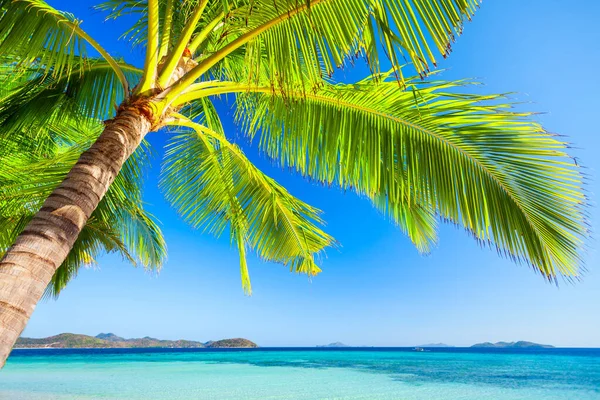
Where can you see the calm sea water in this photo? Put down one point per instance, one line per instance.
(268, 373)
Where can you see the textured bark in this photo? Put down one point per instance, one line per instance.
(28, 266)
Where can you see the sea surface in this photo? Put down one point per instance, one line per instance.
(294, 374)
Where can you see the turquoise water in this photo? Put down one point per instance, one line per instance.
(291, 374)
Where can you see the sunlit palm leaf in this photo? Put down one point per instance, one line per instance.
(35, 33)
(304, 41)
(214, 187)
(469, 157)
(419, 151)
(90, 91)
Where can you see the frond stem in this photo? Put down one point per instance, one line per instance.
(175, 55)
(199, 39)
(166, 30)
(151, 63)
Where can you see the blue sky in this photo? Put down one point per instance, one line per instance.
(376, 289)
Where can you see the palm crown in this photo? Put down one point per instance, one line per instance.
(420, 148)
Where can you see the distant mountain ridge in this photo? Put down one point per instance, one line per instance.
(513, 345)
(110, 340)
(335, 344)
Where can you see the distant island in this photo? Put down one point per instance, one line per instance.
(514, 345)
(335, 344)
(430, 345)
(110, 340)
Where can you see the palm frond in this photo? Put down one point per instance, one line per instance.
(420, 151)
(303, 42)
(137, 34)
(214, 186)
(34, 100)
(469, 158)
(35, 33)
(96, 238)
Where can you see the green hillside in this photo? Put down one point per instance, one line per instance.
(109, 340)
(237, 342)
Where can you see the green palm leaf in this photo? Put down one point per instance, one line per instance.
(214, 186)
(35, 33)
(305, 41)
(92, 90)
(470, 158)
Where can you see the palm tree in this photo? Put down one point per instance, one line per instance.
(420, 148)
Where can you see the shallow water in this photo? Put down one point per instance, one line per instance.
(449, 374)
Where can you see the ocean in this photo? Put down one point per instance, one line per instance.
(307, 373)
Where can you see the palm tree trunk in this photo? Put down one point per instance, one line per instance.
(28, 266)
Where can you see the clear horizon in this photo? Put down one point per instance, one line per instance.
(375, 289)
